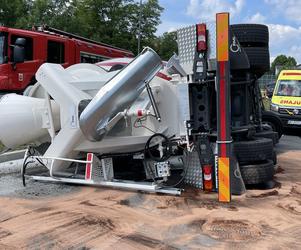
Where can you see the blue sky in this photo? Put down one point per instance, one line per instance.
(283, 18)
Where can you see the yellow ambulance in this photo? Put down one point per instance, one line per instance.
(286, 100)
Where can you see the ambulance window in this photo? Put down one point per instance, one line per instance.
(28, 46)
(289, 88)
(55, 52)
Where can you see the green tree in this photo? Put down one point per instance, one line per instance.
(166, 45)
(285, 62)
(12, 11)
(40, 12)
(114, 22)
(55, 13)
(150, 19)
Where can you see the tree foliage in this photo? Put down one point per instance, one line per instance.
(166, 45)
(114, 22)
(283, 61)
(12, 11)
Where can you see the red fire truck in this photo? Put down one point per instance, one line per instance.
(22, 52)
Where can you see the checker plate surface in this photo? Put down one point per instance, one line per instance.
(194, 169)
(186, 38)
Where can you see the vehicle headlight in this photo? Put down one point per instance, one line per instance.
(274, 107)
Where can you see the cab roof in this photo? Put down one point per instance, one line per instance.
(290, 74)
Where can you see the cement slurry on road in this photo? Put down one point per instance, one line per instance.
(100, 218)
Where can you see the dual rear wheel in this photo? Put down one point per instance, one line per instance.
(254, 40)
(256, 159)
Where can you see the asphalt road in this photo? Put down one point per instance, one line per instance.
(291, 140)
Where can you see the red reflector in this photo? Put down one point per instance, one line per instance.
(140, 112)
(207, 177)
(89, 166)
(201, 37)
(163, 76)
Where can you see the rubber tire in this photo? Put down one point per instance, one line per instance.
(274, 158)
(258, 173)
(275, 125)
(259, 58)
(256, 150)
(251, 34)
(268, 134)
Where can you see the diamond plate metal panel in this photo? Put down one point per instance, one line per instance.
(186, 43)
(107, 168)
(193, 168)
(186, 38)
(103, 171)
(97, 173)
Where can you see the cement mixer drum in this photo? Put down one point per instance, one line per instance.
(24, 120)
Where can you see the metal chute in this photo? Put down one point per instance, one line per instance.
(118, 94)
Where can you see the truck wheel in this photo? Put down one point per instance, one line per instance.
(259, 58)
(272, 120)
(268, 134)
(275, 126)
(274, 157)
(256, 150)
(251, 34)
(257, 173)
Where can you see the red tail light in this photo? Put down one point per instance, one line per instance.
(201, 37)
(207, 178)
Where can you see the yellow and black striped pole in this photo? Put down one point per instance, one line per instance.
(223, 106)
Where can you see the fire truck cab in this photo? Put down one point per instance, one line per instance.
(22, 52)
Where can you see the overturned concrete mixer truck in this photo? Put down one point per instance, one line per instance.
(149, 125)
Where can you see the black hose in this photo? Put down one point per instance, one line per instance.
(31, 152)
(147, 148)
(185, 171)
(24, 168)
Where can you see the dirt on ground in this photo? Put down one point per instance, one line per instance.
(98, 218)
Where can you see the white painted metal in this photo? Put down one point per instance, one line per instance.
(68, 87)
(25, 119)
(83, 76)
(55, 80)
(89, 77)
(173, 66)
(59, 159)
(12, 155)
(129, 185)
(184, 107)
